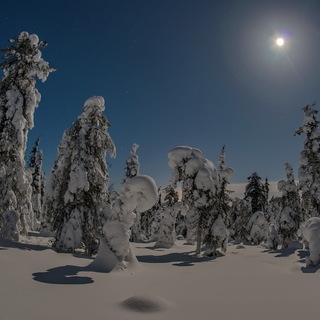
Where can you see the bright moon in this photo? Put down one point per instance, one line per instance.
(280, 42)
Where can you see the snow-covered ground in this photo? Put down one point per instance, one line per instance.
(248, 283)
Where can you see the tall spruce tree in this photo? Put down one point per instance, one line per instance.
(216, 235)
(290, 218)
(22, 64)
(255, 191)
(309, 171)
(78, 185)
(35, 167)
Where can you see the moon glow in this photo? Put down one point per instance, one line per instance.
(280, 42)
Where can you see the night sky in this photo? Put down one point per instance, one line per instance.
(178, 72)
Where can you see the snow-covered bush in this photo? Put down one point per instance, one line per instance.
(311, 233)
(273, 239)
(138, 193)
(79, 179)
(258, 227)
(216, 238)
(19, 98)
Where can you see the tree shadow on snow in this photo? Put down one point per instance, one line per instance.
(185, 259)
(5, 244)
(281, 253)
(63, 275)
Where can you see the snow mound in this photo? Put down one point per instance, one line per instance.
(145, 304)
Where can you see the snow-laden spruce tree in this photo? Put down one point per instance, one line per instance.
(167, 232)
(199, 179)
(151, 219)
(216, 235)
(132, 164)
(22, 64)
(255, 190)
(78, 185)
(35, 167)
(309, 171)
(258, 228)
(131, 170)
(289, 219)
(137, 193)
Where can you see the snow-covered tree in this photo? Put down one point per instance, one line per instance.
(35, 167)
(311, 233)
(131, 170)
(167, 232)
(258, 227)
(22, 64)
(309, 171)
(199, 179)
(216, 235)
(240, 214)
(273, 239)
(78, 185)
(289, 219)
(136, 193)
(151, 219)
(132, 164)
(223, 199)
(255, 190)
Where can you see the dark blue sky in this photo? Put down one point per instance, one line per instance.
(178, 72)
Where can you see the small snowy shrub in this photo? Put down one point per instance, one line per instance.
(273, 239)
(258, 227)
(311, 233)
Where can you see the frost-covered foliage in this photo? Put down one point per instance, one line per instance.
(256, 191)
(78, 185)
(289, 220)
(200, 182)
(132, 164)
(273, 239)
(35, 167)
(137, 193)
(167, 232)
(22, 64)
(258, 228)
(311, 233)
(309, 171)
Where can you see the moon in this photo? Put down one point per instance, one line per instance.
(280, 42)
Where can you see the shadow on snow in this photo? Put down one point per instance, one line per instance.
(185, 259)
(63, 275)
(4, 244)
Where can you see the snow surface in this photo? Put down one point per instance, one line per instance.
(247, 284)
